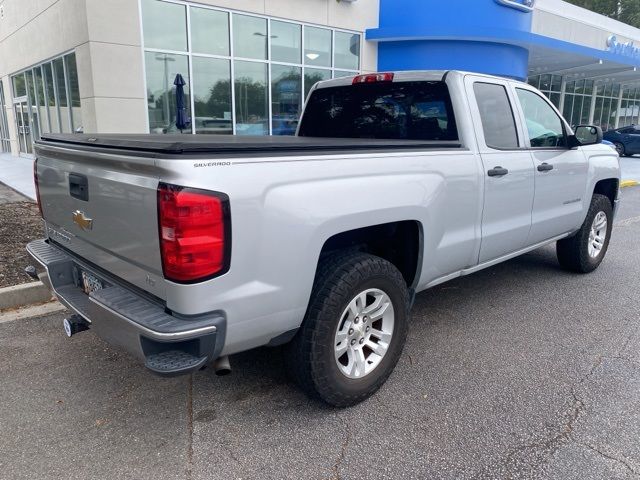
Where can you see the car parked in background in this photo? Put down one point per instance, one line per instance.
(625, 139)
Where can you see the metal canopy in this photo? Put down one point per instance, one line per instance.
(573, 66)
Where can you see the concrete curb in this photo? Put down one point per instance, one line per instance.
(629, 183)
(24, 294)
(31, 311)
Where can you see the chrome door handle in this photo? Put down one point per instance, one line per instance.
(545, 167)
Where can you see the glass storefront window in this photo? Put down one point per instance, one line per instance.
(347, 51)
(286, 99)
(212, 96)
(164, 25)
(5, 144)
(317, 46)
(19, 87)
(209, 31)
(61, 90)
(250, 37)
(59, 82)
(313, 76)
(52, 102)
(250, 73)
(588, 87)
(74, 91)
(33, 110)
(340, 73)
(252, 109)
(40, 100)
(605, 121)
(550, 85)
(51, 97)
(286, 42)
(162, 69)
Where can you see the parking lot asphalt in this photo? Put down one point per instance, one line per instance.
(519, 371)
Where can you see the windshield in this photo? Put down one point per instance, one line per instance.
(384, 110)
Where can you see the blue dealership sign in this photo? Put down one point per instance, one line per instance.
(522, 5)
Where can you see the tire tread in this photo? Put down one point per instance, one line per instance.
(337, 275)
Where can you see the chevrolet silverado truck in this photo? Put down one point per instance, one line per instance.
(184, 249)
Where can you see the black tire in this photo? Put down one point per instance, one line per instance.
(620, 148)
(310, 355)
(573, 252)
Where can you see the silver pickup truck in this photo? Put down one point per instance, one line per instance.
(186, 249)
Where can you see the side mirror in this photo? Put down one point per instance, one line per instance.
(586, 135)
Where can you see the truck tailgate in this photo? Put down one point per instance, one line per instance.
(103, 208)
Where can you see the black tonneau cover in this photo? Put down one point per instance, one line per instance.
(234, 144)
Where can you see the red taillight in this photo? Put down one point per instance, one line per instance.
(35, 181)
(373, 78)
(194, 233)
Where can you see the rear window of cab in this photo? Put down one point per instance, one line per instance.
(382, 110)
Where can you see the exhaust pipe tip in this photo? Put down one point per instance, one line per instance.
(74, 324)
(222, 366)
(31, 271)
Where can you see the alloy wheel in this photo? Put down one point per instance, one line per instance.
(364, 333)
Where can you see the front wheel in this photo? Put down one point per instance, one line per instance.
(584, 251)
(354, 330)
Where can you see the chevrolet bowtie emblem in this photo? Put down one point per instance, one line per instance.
(83, 222)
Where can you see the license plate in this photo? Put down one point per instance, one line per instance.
(90, 283)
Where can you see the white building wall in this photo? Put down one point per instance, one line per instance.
(106, 36)
(565, 21)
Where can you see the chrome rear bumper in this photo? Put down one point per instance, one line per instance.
(168, 343)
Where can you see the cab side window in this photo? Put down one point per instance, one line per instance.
(545, 127)
(498, 123)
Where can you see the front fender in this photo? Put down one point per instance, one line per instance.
(604, 164)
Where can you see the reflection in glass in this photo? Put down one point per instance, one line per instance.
(250, 37)
(40, 100)
(313, 76)
(19, 87)
(74, 91)
(317, 46)
(209, 31)
(5, 145)
(347, 51)
(340, 74)
(252, 109)
(286, 42)
(31, 94)
(162, 69)
(61, 89)
(164, 25)
(286, 98)
(51, 98)
(212, 95)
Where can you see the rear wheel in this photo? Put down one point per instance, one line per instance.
(619, 148)
(354, 330)
(584, 251)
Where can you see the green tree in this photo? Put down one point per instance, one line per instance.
(627, 11)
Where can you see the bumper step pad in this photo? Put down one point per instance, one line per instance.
(173, 362)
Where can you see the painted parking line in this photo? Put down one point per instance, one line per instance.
(629, 183)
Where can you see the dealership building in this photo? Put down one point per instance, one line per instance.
(98, 66)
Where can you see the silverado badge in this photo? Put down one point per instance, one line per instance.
(83, 222)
